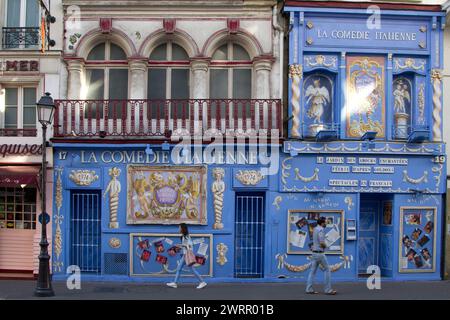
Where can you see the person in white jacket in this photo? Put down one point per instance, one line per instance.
(186, 244)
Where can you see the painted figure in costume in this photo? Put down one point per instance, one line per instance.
(400, 95)
(319, 97)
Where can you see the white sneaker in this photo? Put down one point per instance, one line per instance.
(172, 285)
(202, 285)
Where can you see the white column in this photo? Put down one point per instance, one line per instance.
(200, 78)
(262, 68)
(75, 69)
(199, 69)
(138, 69)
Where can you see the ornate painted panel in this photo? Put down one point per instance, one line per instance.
(324, 61)
(166, 195)
(301, 224)
(365, 99)
(420, 114)
(409, 64)
(417, 245)
(156, 254)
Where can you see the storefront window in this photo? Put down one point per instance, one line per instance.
(17, 208)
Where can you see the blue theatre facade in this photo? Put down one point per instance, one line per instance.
(365, 141)
(363, 148)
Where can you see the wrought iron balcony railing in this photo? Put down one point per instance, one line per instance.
(19, 38)
(9, 132)
(163, 118)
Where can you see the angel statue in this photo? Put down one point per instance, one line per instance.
(319, 96)
(400, 95)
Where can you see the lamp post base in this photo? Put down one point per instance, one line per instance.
(44, 292)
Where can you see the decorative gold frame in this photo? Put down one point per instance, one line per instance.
(379, 62)
(200, 235)
(341, 212)
(433, 269)
(202, 194)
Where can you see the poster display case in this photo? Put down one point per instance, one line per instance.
(417, 245)
(301, 224)
(156, 254)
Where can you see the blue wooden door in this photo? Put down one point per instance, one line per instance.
(386, 238)
(368, 235)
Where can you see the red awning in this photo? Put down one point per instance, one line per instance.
(15, 176)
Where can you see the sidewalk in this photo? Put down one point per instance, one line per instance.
(23, 289)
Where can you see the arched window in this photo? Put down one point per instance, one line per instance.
(107, 76)
(168, 74)
(230, 73)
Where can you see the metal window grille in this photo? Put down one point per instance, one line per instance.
(249, 241)
(85, 227)
(116, 263)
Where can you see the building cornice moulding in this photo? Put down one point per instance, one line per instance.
(172, 2)
(18, 55)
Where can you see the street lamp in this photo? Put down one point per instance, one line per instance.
(45, 108)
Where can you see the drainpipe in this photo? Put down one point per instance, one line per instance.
(278, 44)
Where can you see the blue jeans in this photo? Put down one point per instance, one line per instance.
(316, 260)
(181, 264)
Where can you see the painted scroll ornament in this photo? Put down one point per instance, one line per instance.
(409, 64)
(57, 265)
(407, 178)
(249, 177)
(218, 188)
(283, 264)
(349, 202)
(281, 258)
(314, 177)
(114, 243)
(321, 60)
(222, 250)
(276, 202)
(421, 104)
(83, 177)
(114, 189)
